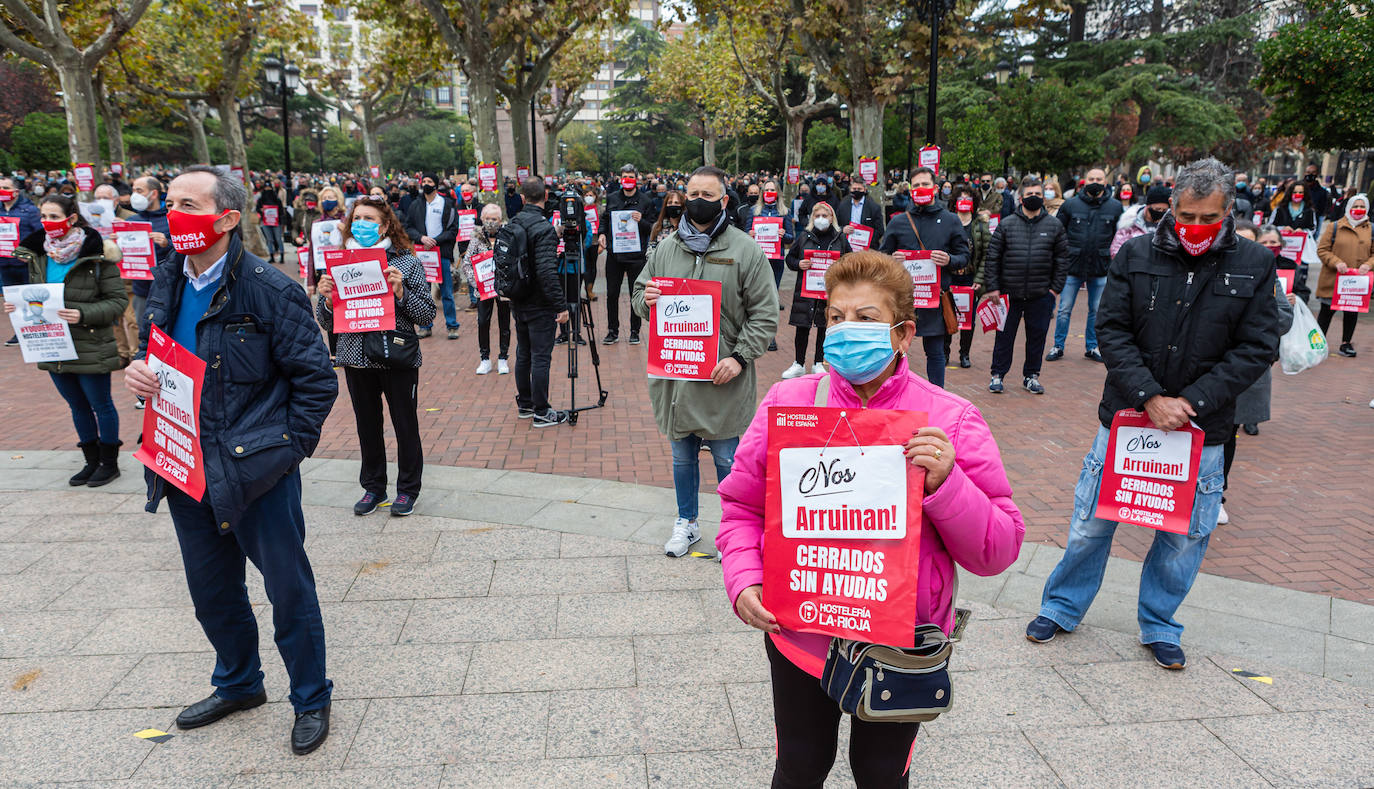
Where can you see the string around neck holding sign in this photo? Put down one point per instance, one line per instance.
(844, 417)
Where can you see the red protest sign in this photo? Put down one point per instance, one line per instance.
(484, 274)
(361, 298)
(963, 305)
(1150, 476)
(794, 174)
(993, 222)
(813, 278)
(85, 177)
(171, 422)
(271, 216)
(842, 523)
(1351, 293)
(1293, 243)
(136, 249)
(684, 329)
(860, 236)
(117, 168)
(1285, 276)
(374, 171)
(929, 156)
(521, 173)
(992, 315)
(925, 277)
(486, 177)
(467, 220)
(868, 169)
(303, 258)
(429, 258)
(9, 235)
(767, 232)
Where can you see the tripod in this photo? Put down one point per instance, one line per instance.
(580, 317)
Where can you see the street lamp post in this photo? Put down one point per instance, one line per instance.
(318, 134)
(453, 146)
(935, 10)
(528, 68)
(284, 81)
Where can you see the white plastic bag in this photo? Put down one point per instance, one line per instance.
(1304, 346)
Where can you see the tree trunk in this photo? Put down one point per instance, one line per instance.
(520, 127)
(792, 153)
(736, 142)
(866, 129)
(367, 124)
(114, 123)
(482, 102)
(238, 157)
(195, 121)
(1156, 17)
(1078, 18)
(708, 146)
(551, 162)
(79, 99)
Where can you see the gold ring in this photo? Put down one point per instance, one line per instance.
(937, 454)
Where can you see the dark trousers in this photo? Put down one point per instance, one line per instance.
(272, 535)
(534, 330)
(93, 410)
(965, 342)
(615, 272)
(1038, 313)
(1228, 456)
(484, 312)
(808, 727)
(803, 336)
(934, 348)
(400, 387)
(1347, 322)
(14, 275)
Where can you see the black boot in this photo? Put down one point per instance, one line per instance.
(109, 465)
(92, 453)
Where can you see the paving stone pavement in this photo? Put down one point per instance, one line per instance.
(557, 647)
(1301, 514)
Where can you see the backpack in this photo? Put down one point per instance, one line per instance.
(514, 268)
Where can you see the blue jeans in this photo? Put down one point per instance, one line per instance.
(271, 534)
(1169, 569)
(1066, 301)
(934, 348)
(687, 469)
(446, 294)
(93, 409)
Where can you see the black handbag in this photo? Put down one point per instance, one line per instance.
(391, 348)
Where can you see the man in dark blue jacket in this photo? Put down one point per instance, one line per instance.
(146, 200)
(1089, 219)
(13, 203)
(268, 388)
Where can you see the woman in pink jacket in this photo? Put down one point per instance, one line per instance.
(967, 516)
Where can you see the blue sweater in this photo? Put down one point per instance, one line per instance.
(194, 303)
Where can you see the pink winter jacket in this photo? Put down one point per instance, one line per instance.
(970, 519)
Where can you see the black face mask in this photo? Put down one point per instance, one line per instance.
(858, 195)
(1094, 190)
(703, 211)
(429, 188)
(1154, 216)
(1033, 202)
(753, 198)
(672, 211)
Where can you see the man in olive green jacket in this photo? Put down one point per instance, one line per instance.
(707, 246)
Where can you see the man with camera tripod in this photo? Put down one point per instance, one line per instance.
(537, 313)
(707, 246)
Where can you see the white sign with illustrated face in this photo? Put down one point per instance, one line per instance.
(43, 337)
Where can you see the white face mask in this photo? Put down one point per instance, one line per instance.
(821, 223)
(589, 199)
(1049, 194)
(138, 202)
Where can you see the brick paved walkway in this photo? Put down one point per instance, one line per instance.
(1301, 516)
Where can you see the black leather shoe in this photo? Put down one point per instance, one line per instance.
(309, 731)
(1250, 430)
(964, 361)
(212, 708)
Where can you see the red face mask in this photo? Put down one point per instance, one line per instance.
(193, 233)
(6, 195)
(1297, 198)
(1197, 239)
(923, 195)
(1126, 194)
(1359, 213)
(58, 228)
(770, 197)
(628, 184)
(311, 204)
(963, 204)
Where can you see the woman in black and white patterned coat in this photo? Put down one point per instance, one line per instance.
(370, 224)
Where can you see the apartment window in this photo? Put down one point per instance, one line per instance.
(463, 90)
(444, 95)
(310, 10)
(340, 13)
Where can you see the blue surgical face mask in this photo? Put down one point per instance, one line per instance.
(365, 232)
(329, 205)
(859, 351)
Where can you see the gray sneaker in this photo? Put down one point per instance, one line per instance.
(685, 535)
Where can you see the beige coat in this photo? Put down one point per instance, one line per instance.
(1341, 243)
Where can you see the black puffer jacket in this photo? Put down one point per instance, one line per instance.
(1027, 258)
(808, 312)
(935, 228)
(1201, 328)
(1089, 226)
(542, 243)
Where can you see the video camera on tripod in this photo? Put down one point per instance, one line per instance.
(573, 217)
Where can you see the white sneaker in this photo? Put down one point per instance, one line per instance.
(484, 367)
(1222, 517)
(502, 368)
(795, 371)
(819, 367)
(685, 535)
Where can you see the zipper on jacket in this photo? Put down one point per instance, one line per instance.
(1154, 290)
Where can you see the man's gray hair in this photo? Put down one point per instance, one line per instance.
(229, 193)
(1000, 182)
(1204, 177)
